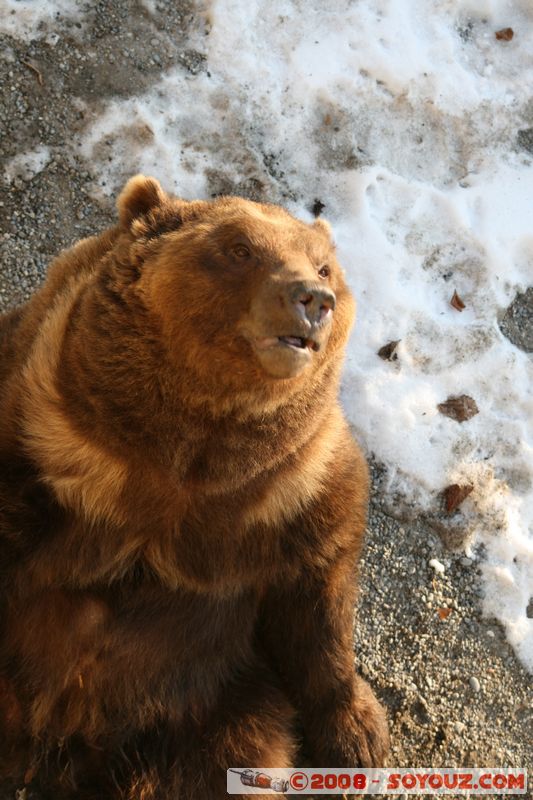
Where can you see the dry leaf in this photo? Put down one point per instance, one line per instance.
(505, 35)
(444, 613)
(456, 302)
(318, 207)
(459, 408)
(34, 69)
(388, 351)
(454, 496)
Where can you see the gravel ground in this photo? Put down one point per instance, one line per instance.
(455, 692)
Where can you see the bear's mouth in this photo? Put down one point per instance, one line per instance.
(288, 355)
(299, 342)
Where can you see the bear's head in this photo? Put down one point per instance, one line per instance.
(244, 292)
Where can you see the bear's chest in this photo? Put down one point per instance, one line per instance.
(215, 546)
(218, 547)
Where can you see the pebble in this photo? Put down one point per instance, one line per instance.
(474, 684)
(437, 565)
(459, 727)
(466, 562)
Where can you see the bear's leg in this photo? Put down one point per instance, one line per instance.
(253, 726)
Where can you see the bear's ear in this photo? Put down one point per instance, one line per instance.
(322, 226)
(139, 196)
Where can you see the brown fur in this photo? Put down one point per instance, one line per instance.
(181, 509)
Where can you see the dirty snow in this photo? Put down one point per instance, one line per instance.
(403, 118)
(26, 165)
(29, 19)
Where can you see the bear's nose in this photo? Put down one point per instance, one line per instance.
(312, 303)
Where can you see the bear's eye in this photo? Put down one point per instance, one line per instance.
(324, 271)
(241, 251)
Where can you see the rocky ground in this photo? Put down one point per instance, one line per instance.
(455, 692)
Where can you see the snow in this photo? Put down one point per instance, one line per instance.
(402, 116)
(26, 165)
(34, 19)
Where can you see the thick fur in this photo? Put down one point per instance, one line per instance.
(179, 527)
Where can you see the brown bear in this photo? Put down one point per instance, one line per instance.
(181, 508)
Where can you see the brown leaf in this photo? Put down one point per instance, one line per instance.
(459, 408)
(505, 35)
(317, 207)
(444, 613)
(34, 69)
(388, 351)
(454, 495)
(456, 302)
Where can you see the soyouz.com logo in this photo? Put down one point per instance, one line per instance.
(457, 781)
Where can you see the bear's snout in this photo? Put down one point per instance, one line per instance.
(311, 304)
